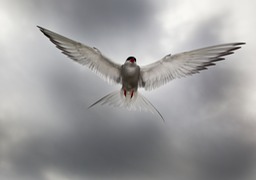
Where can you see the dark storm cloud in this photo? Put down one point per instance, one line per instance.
(114, 15)
(208, 138)
(101, 152)
(112, 26)
(221, 151)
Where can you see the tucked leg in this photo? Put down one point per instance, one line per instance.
(125, 92)
(132, 93)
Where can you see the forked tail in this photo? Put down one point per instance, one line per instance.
(136, 102)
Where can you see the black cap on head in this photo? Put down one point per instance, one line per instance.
(131, 58)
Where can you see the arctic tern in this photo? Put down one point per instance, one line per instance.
(131, 76)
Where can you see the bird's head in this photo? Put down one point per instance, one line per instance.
(131, 59)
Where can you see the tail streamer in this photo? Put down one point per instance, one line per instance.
(137, 102)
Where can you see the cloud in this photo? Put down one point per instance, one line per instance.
(47, 133)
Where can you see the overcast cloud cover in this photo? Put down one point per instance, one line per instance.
(47, 132)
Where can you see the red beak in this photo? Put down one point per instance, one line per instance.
(132, 60)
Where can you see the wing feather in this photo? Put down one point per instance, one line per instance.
(184, 64)
(85, 55)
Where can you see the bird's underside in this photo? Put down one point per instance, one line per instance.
(131, 76)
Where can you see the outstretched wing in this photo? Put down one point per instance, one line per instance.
(183, 64)
(85, 55)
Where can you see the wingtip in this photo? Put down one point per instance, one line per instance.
(44, 30)
(41, 28)
(240, 43)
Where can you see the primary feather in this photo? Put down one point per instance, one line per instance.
(85, 55)
(184, 64)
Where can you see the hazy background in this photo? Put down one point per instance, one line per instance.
(47, 132)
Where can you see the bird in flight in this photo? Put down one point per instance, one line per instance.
(131, 76)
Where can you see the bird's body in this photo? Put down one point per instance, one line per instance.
(131, 76)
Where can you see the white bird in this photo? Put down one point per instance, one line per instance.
(131, 76)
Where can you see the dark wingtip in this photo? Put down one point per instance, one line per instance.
(40, 28)
(240, 43)
(43, 31)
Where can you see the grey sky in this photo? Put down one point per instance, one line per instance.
(47, 132)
